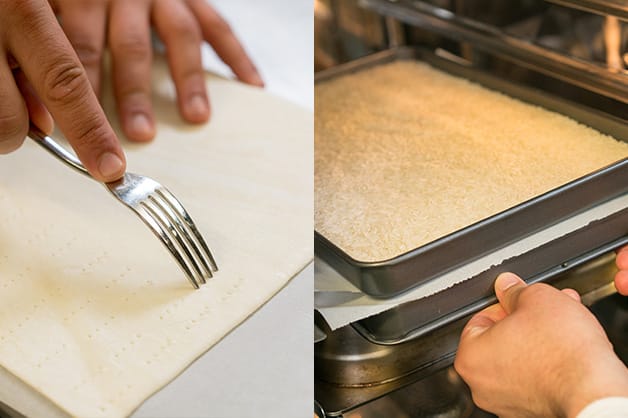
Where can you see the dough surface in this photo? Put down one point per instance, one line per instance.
(95, 315)
(406, 154)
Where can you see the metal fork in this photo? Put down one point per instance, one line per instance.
(157, 207)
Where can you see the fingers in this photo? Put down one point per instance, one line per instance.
(131, 55)
(61, 82)
(181, 34)
(508, 286)
(473, 339)
(219, 35)
(13, 112)
(37, 112)
(621, 278)
(572, 294)
(621, 282)
(622, 258)
(483, 320)
(84, 24)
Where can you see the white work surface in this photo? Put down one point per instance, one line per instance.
(265, 366)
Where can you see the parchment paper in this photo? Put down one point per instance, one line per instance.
(341, 303)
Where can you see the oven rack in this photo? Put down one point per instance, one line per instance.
(491, 39)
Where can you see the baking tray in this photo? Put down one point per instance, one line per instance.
(415, 319)
(351, 371)
(347, 359)
(387, 278)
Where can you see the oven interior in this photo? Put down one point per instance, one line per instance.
(575, 50)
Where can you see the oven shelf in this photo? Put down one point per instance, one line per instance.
(617, 8)
(491, 39)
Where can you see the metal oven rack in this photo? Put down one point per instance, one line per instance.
(494, 40)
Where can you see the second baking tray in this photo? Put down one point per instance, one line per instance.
(388, 278)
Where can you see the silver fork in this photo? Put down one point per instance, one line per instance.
(157, 207)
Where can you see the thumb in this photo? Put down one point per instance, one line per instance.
(508, 286)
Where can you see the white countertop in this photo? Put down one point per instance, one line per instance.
(265, 366)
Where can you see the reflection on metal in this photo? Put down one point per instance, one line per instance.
(318, 335)
(351, 372)
(343, 31)
(443, 395)
(617, 8)
(394, 30)
(612, 42)
(492, 39)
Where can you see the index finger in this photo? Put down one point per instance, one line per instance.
(621, 282)
(61, 82)
(482, 321)
(622, 258)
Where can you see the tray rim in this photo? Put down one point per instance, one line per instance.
(322, 244)
(466, 311)
(507, 212)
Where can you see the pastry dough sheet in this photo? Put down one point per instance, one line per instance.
(95, 315)
(406, 154)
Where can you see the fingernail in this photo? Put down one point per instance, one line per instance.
(110, 165)
(257, 80)
(197, 108)
(474, 330)
(140, 126)
(506, 280)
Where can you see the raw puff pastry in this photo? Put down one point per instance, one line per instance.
(95, 315)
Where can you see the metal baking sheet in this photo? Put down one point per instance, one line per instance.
(417, 318)
(351, 371)
(388, 278)
(345, 358)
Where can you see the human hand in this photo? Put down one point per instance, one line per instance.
(125, 26)
(539, 352)
(40, 73)
(621, 278)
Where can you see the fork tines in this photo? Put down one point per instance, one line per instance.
(168, 219)
(156, 206)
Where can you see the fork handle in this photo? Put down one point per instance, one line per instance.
(57, 150)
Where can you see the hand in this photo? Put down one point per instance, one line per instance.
(40, 72)
(621, 278)
(539, 352)
(125, 26)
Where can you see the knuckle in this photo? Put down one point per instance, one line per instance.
(219, 24)
(90, 3)
(13, 129)
(21, 8)
(27, 14)
(134, 45)
(186, 29)
(90, 133)
(65, 82)
(461, 364)
(479, 401)
(88, 53)
(534, 291)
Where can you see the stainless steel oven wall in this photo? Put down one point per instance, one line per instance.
(580, 48)
(344, 31)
